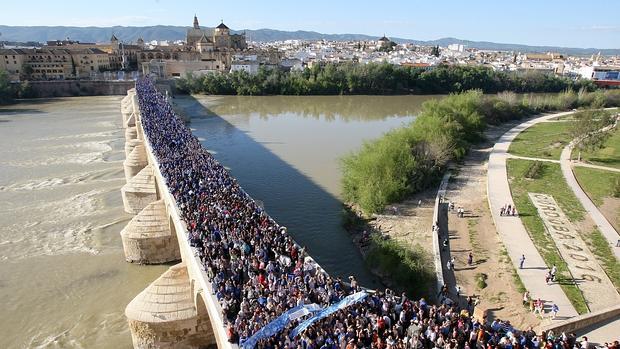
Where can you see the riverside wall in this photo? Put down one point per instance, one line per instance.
(70, 88)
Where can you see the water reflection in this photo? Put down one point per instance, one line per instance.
(327, 108)
(284, 151)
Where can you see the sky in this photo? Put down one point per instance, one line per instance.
(568, 23)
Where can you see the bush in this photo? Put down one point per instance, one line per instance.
(412, 158)
(616, 192)
(409, 268)
(481, 280)
(534, 170)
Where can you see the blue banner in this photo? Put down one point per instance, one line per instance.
(278, 324)
(345, 302)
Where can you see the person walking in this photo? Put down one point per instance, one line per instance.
(554, 271)
(470, 259)
(521, 261)
(554, 310)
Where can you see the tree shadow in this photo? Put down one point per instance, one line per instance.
(311, 214)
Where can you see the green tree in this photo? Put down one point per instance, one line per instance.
(592, 128)
(26, 72)
(6, 91)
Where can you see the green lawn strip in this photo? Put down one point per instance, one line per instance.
(598, 184)
(544, 140)
(602, 250)
(550, 182)
(608, 155)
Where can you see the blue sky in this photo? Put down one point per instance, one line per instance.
(575, 23)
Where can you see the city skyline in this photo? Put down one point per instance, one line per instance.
(553, 23)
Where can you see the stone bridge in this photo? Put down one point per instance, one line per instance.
(178, 309)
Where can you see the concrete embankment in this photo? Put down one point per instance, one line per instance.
(71, 88)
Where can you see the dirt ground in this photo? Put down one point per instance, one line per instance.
(475, 233)
(611, 210)
(410, 221)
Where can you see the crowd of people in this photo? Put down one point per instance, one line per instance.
(257, 271)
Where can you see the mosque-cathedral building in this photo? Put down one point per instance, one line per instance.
(204, 50)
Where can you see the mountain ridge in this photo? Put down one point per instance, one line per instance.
(170, 32)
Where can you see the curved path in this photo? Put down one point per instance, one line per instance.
(584, 164)
(511, 229)
(601, 222)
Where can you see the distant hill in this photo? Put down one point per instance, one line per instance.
(168, 32)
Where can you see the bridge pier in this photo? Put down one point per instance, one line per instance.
(167, 315)
(171, 312)
(130, 144)
(131, 133)
(135, 162)
(150, 236)
(139, 191)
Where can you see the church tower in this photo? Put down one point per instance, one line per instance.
(114, 42)
(196, 25)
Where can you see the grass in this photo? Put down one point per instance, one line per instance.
(544, 140)
(602, 250)
(478, 251)
(548, 183)
(608, 155)
(598, 184)
(516, 279)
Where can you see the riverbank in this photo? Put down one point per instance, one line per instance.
(410, 159)
(376, 79)
(396, 245)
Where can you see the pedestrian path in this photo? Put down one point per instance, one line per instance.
(511, 229)
(584, 164)
(511, 156)
(601, 222)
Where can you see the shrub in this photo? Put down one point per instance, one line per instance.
(481, 280)
(534, 170)
(409, 268)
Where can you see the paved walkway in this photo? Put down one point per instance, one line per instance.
(601, 222)
(585, 164)
(511, 156)
(511, 229)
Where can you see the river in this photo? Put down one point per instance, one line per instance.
(285, 152)
(64, 282)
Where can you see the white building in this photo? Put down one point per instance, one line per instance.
(251, 67)
(456, 47)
